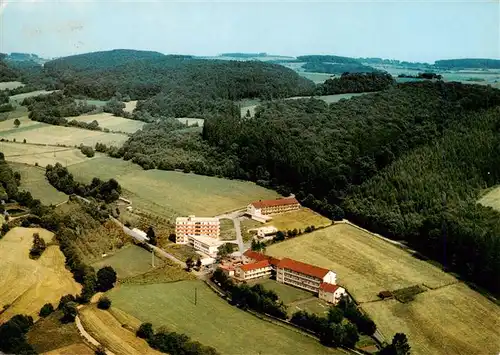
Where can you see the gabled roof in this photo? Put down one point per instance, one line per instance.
(327, 287)
(255, 255)
(273, 203)
(302, 268)
(254, 266)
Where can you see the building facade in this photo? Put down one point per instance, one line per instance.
(305, 276)
(252, 271)
(195, 226)
(331, 293)
(267, 207)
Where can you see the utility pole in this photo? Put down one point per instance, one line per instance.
(152, 257)
(195, 296)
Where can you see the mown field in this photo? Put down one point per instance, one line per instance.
(50, 336)
(450, 320)
(20, 97)
(113, 123)
(300, 219)
(128, 261)
(33, 180)
(109, 332)
(212, 321)
(287, 294)
(491, 198)
(48, 134)
(130, 106)
(171, 193)
(26, 284)
(191, 121)
(42, 155)
(10, 85)
(366, 265)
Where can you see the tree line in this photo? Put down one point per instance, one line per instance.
(59, 177)
(172, 342)
(355, 83)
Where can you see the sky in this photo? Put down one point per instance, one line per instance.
(418, 30)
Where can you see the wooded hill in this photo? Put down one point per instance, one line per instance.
(387, 159)
(468, 63)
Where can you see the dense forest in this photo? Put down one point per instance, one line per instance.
(103, 76)
(468, 63)
(355, 82)
(332, 64)
(6, 72)
(340, 157)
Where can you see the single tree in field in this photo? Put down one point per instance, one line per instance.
(47, 309)
(171, 237)
(198, 263)
(17, 123)
(69, 312)
(38, 246)
(400, 344)
(189, 263)
(106, 278)
(104, 303)
(151, 235)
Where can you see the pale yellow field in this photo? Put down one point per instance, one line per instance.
(450, 320)
(74, 349)
(191, 121)
(26, 285)
(298, 219)
(10, 85)
(108, 331)
(491, 199)
(20, 97)
(113, 123)
(364, 264)
(130, 106)
(8, 125)
(48, 134)
(43, 155)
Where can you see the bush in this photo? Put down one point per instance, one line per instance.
(88, 151)
(46, 310)
(104, 303)
(65, 299)
(38, 246)
(100, 350)
(145, 331)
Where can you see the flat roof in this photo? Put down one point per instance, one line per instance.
(207, 240)
(196, 219)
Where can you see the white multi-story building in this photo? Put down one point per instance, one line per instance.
(253, 271)
(196, 227)
(331, 293)
(267, 207)
(206, 245)
(305, 276)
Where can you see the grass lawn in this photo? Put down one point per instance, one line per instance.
(128, 261)
(170, 193)
(191, 121)
(212, 321)
(286, 293)
(298, 220)
(33, 180)
(20, 97)
(314, 305)
(10, 85)
(227, 231)
(181, 251)
(49, 334)
(166, 273)
(246, 224)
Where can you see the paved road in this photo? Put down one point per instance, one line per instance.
(140, 239)
(234, 216)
